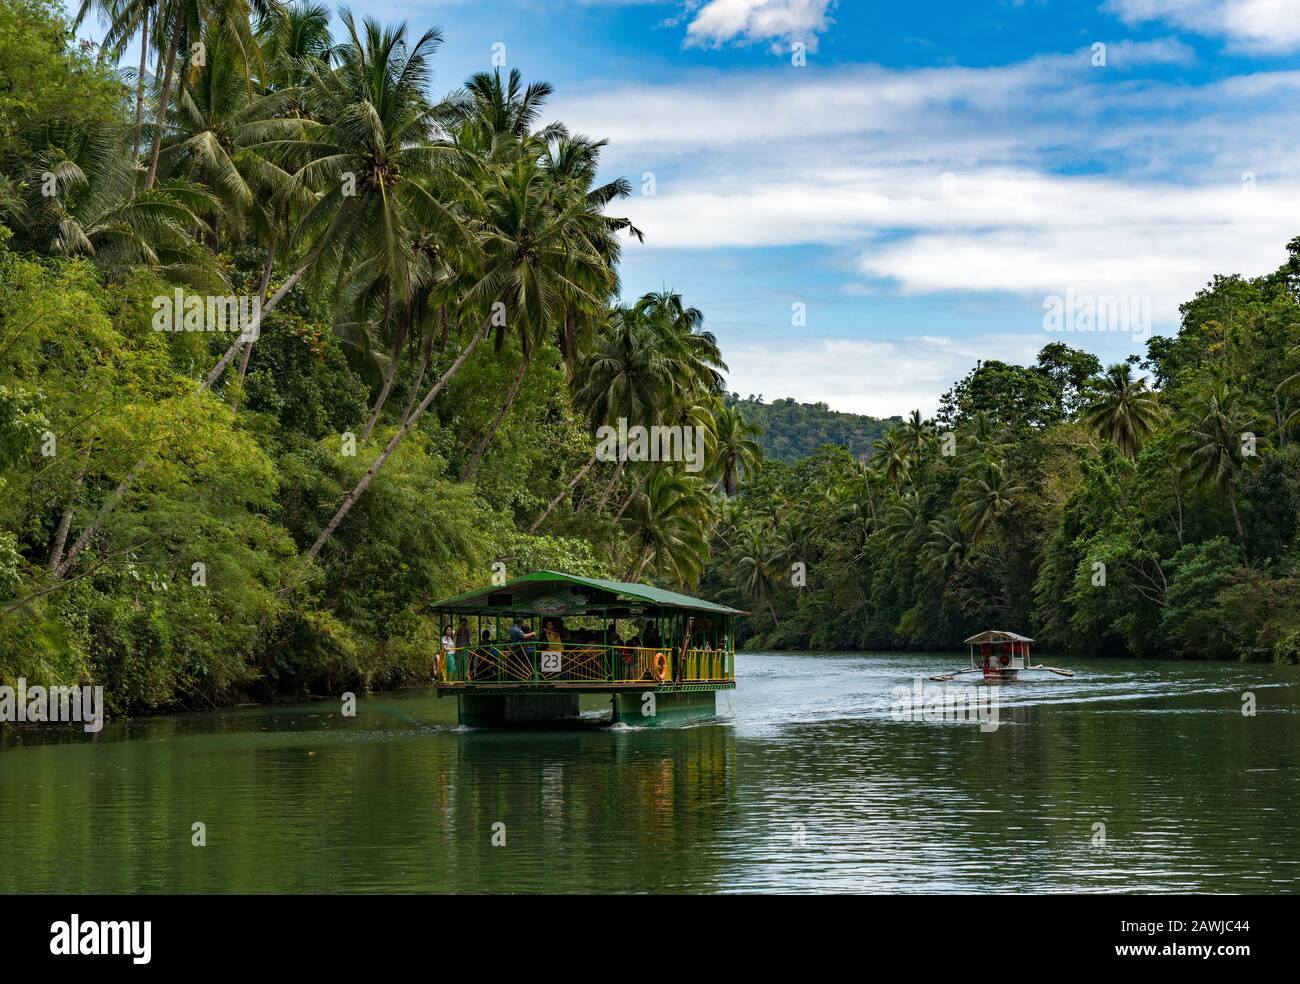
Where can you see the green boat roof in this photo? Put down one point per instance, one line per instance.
(524, 591)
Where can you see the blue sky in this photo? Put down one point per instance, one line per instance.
(932, 174)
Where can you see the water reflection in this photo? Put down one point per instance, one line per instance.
(806, 784)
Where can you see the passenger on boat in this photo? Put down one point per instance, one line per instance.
(553, 633)
(462, 634)
(519, 631)
(449, 648)
(484, 658)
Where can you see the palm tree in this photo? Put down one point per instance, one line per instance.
(668, 527)
(496, 118)
(736, 449)
(916, 432)
(378, 168)
(983, 494)
(1215, 423)
(944, 547)
(980, 437)
(126, 19)
(755, 568)
(203, 20)
(624, 377)
(95, 210)
(293, 43)
(1287, 387)
(901, 517)
(542, 265)
(1123, 411)
(893, 458)
(220, 126)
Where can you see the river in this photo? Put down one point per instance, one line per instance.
(1129, 777)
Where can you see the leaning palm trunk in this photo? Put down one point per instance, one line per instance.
(609, 486)
(496, 422)
(352, 497)
(65, 521)
(419, 377)
(635, 571)
(567, 489)
(248, 348)
(1236, 518)
(139, 82)
(388, 384)
(83, 539)
(252, 330)
(631, 496)
(165, 95)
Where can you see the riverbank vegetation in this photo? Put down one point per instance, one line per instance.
(1147, 508)
(194, 516)
(197, 516)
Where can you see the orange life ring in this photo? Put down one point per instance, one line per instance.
(661, 666)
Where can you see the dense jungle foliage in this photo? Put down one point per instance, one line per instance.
(194, 517)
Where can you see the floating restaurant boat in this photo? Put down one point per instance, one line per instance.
(1002, 655)
(681, 653)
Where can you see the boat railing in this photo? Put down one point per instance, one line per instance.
(541, 663)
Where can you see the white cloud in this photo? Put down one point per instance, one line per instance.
(1253, 26)
(876, 377)
(1063, 176)
(716, 22)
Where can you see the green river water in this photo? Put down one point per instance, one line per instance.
(806, 782)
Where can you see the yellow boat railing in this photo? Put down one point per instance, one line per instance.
(542, 663)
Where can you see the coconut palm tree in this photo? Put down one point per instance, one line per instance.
(126, 19)
(668, 527)
(374, 160)
(736, 451)
(219, 125)
(541, 265)
(756, 569)
(1122, 410)
(1215, 429)
(983, 494)
(916, 432)
(902, 517)
(293, 43)
(626, 376)
(497, 118)
(944, 547)
(95, 210)
(201, 21)
(892, 457)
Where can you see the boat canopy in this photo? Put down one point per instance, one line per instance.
(557, 593)
(997, 635)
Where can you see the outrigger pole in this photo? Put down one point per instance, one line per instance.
(1053, 669)
(948, 676)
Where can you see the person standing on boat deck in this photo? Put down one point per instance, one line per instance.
(552, 633)
(484, 658)
(519, 635)
(462, 634)
(448, 647)
(519, 632)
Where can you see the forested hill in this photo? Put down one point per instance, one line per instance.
(792, 430)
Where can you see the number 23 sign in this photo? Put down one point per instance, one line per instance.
(550, 662)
